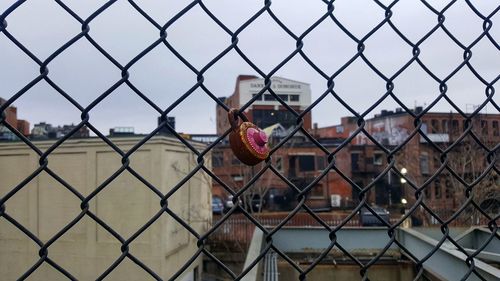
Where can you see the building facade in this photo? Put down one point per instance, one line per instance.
(44, 206)
(20, 125)
(299, 161)
(44, 131)
(420, 158)
(266, 110)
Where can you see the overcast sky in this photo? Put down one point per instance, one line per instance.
(84, 73)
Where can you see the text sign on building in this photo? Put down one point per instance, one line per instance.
(276, 85)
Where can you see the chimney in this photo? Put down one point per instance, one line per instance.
(315, 129)
(170, 122)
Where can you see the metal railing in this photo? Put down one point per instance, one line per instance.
(330, 78)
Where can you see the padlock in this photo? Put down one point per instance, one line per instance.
(248, 142)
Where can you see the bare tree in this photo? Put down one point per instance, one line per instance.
(467, 162)
(244, 174)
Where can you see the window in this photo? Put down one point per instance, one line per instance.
(196, 274)
(317, 191)
(434, 126)
(354, 161)
(237, 177)
(355, 191)
(268, 97)
(265, 117)
(464, 125)
(496, 132)
(427, 192)
(283, 97)
(259, 98)
(279, 163)
(320, 162)
(235, 160)
(448, 193)
(424, 127)
(217, 159)
(340, 129)
(424, 164)
(484, 127)
(378, 159)
(294, 97)
(437, 161)
(444, 126)
(454, 126)
(437, 189)
(306, 163)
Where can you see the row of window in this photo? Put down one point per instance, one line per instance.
(377, 160)
(445, 127)
(264, 118)
(435, 191)
(432, 191)
(297, 163)
(269, 97)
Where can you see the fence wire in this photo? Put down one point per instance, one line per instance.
(330, 78)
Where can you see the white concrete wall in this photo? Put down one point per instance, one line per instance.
(280, 86)
(44, 206)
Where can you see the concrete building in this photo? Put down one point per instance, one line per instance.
(170, 122)
(122, 132)
(44, 206)
(22, 126)
(44, 131)
(266, 110)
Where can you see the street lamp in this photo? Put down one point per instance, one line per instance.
(403, 171)
(403, 210)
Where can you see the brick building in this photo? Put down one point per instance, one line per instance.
(266, 110)
(45, 131)
(22, 126)
(419, 158)
(343, 130)
(299, 161)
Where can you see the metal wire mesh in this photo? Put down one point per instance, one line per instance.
(330, 78)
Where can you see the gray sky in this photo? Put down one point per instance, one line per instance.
(84, 73)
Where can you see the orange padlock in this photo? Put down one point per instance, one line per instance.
(248, 142)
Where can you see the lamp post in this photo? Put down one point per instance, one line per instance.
(406, 223)
(403, 171)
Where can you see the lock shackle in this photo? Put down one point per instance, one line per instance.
(232, 116)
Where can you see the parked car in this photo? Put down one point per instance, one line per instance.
(228, 203)
(217, 205)
(367, 218)
(254, 203)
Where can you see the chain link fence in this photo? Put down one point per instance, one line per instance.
(330, 78)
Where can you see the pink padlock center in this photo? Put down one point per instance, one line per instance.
(260, 138)
(257, 139)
